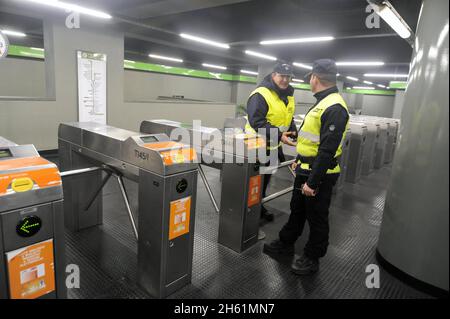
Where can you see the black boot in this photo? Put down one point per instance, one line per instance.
(305, 265)
(266, 215)
(278, 247)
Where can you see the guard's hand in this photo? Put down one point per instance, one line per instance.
(308, 191)
(286, 140)
(294, 166)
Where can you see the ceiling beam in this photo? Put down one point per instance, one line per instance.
(167, 7)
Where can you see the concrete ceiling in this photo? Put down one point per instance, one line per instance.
(154, 26)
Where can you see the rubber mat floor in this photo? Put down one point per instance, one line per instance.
(106, 255)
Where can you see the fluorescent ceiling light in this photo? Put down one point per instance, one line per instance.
(368, 82)
(129, 61)
(387, 12)
(303, 66)
(249, 72)
(14, 33)
(37, 49)
(363, 88)
(214, 66)
(352, 78)
(381, 86)
(72, 7)
(338, 74)
(298, 40)
(205, 41)
(369, 63)
(161, 57)
(260, 55)
(386, 75)
(297, 80)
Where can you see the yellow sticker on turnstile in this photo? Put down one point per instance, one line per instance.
(31, 271)
(20, 185)
(180, 212)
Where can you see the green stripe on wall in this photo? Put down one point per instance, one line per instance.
(370, 92)
(26, 52)
(400, 85)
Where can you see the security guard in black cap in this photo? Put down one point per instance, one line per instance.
(272, 106)
(319, 146)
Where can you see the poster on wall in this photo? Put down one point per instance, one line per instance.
(91, 87)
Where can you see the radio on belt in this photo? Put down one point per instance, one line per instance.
(31, 225)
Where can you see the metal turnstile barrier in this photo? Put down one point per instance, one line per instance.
(343, 162)
(166, 173)
(241, 192)
(32, 256)
(372, 141)
(356, 151)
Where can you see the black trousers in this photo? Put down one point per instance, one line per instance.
(315, 211)
(267, 177)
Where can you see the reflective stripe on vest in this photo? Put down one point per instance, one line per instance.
(279, 114)
(309, 135)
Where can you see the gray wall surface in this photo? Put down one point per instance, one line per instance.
(146, 86)
(398, 104)
(378, 105)
(36, 121)
(22, 77)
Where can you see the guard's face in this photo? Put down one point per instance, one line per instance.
(282, 81)
(313, 82)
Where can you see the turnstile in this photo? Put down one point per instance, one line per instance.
(356, 151)
(343, 161)
(391, 140)
(166, 173)
(373, 136)
(32, 257)
(241, 193)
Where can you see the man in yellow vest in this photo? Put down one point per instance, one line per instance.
(272, 106)
(319, 147)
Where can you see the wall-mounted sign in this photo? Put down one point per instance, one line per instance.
(91, 87)
(4, 45)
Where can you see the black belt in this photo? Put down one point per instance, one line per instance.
(310, 161)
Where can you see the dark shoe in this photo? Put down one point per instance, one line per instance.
(305, 266)
(278, 247)
(266, 215)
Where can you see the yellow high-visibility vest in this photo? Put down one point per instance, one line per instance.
(279, 114)
(308, 139)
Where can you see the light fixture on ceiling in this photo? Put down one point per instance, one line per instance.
(381, 86)
(301, 65)
(72, 8)
(297, 40)
(214, 66)
(260, 55)
(204, 41)
(363, 88)
(298, 80)
(352, 78)
(368, 82)
(388, 13)
(14, 33)
(161, 57)
(385, 75)
(338, 74)
(368, 63)
(249, 72)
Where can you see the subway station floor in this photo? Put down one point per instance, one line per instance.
(107, 256)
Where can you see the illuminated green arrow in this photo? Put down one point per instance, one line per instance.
(25, 226)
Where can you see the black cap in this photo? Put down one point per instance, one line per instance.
(325, 68)
(283, 69)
